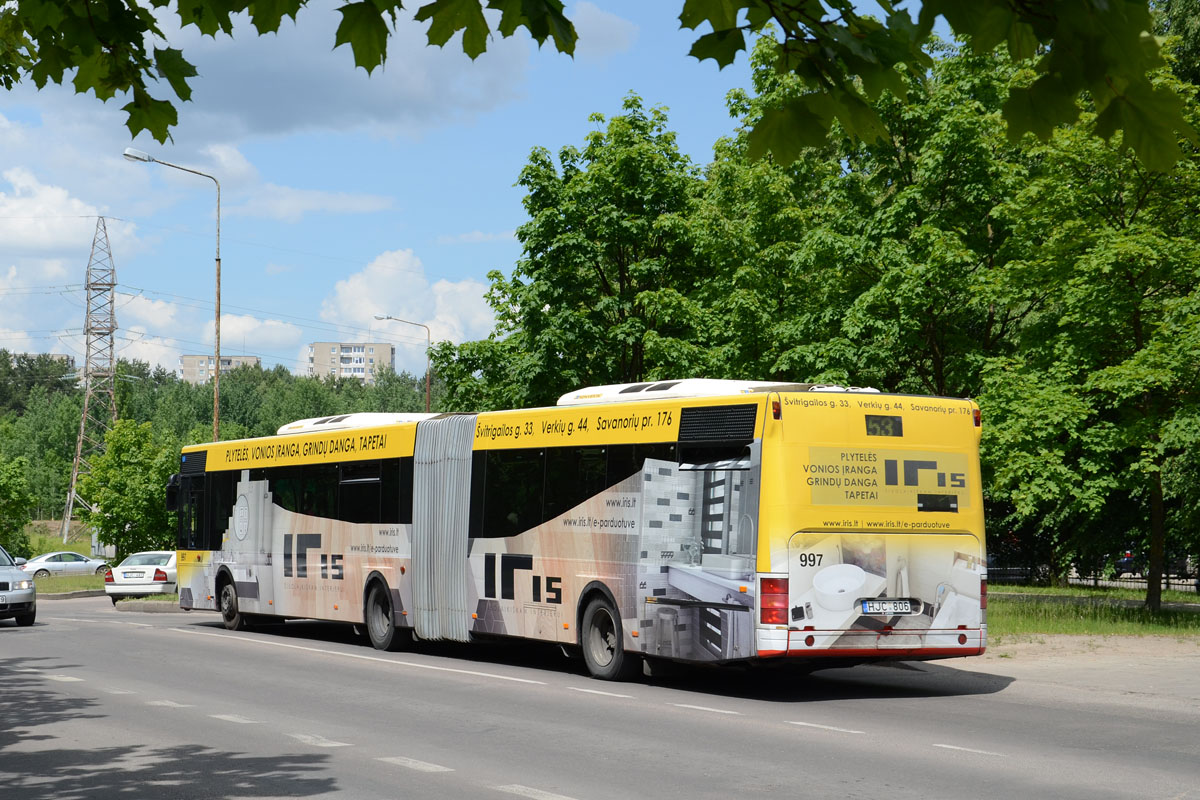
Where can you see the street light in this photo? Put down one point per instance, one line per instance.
(428, 344)
(138, 155)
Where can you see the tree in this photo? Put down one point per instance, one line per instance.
(846, 60)
(16, 503)
(127, 488)
(604, 291)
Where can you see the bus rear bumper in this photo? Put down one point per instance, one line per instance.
(870, 644)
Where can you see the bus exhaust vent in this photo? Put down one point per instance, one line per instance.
(718, 423)
(193, 463)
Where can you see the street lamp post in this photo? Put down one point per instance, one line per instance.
(428, 344)
(138, 155)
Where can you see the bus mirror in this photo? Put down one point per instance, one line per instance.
(173, 493)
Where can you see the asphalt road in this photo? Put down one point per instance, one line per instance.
(96, 703)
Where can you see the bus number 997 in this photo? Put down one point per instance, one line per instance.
(809, 559)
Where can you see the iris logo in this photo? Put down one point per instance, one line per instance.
(913, 470)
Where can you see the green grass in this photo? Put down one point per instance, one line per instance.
(1082, 615)
(158, 598)
(69, 583)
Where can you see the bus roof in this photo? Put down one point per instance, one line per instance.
(692, 387)
(341, 421)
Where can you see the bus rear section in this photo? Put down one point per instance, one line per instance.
(873, 544)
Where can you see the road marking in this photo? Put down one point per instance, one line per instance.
(363, 658)
(412, 763)
(597, 691)
(62, 678)
(706, 708)
(234, 718)
(317, 741)
(168, 704)
(822, 727)
(528, 791)
(123, 622)
(119, 691)
(969, 750)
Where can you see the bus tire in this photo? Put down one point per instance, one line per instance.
(233, 618)
(603, 644)
(381, 627)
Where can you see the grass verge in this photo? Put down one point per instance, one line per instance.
(1079, 615)
(69, 583)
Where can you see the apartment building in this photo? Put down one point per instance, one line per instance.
(361, 360)
(200, 369)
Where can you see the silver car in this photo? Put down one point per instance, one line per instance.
(18, 596)
(64, 562)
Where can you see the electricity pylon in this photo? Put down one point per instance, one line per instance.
(99, 371)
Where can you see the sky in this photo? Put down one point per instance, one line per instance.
(343, 195)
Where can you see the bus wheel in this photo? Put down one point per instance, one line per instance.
(603, 647)
(381, 628)
(234, 620)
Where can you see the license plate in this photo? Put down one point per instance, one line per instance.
(134, 574)
(3, 599)
(887, 607)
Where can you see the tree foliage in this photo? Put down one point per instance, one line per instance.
(16, 503)
(844, 60)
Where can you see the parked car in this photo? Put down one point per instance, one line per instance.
(18, 595)
(140, 574)
(64, 562)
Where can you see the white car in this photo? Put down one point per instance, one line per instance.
(142, 574)
(18, 595)
(64, 562)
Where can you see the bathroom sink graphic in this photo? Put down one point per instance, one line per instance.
(839, 585)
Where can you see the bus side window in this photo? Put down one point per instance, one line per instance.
(359, 491)
(573, 474)
(220, 497)
(397, 490)
(513, 491)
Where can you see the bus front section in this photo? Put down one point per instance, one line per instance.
(872, 543)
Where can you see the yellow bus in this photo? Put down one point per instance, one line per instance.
(696, 520)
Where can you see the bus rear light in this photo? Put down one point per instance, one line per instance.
(810, 640)
(773, 601)
(978, 416)
(159, 576)
(774, 616)
(983, 594)
(962, 638)
(776, 409)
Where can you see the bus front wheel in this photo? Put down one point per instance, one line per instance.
(381, 627)
(233, 618)
(603, 644)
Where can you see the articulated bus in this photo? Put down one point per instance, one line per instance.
(695, 520)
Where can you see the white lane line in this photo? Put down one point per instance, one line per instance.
(597, 691)
(412, 763)
(529, 791)
(317, 741)
(168, 704)
(822, 727)
(62, 678)
(234, 718)
(119, 691)
(123, 622)
(969, 750)
(362, 657)
(706, 708)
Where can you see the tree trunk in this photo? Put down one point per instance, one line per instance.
(1154, 569)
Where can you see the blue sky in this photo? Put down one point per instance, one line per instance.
(343, 195)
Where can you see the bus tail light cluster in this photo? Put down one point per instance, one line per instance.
(773, 599)
(978, 415)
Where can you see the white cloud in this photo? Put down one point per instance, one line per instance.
(255, 336)
(135, 309)
(288, 204)
(477, 237)
(137, 344)
(394, 284)
(37, 218)
(601, 34)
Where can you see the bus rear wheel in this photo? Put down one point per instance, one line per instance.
(603, 644)
(381, 626)
(233, 618)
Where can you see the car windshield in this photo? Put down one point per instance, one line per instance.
(147, 560)
(5, 560)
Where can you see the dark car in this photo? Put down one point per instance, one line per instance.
(1128, 564)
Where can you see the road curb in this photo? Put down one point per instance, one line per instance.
(71, 595)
